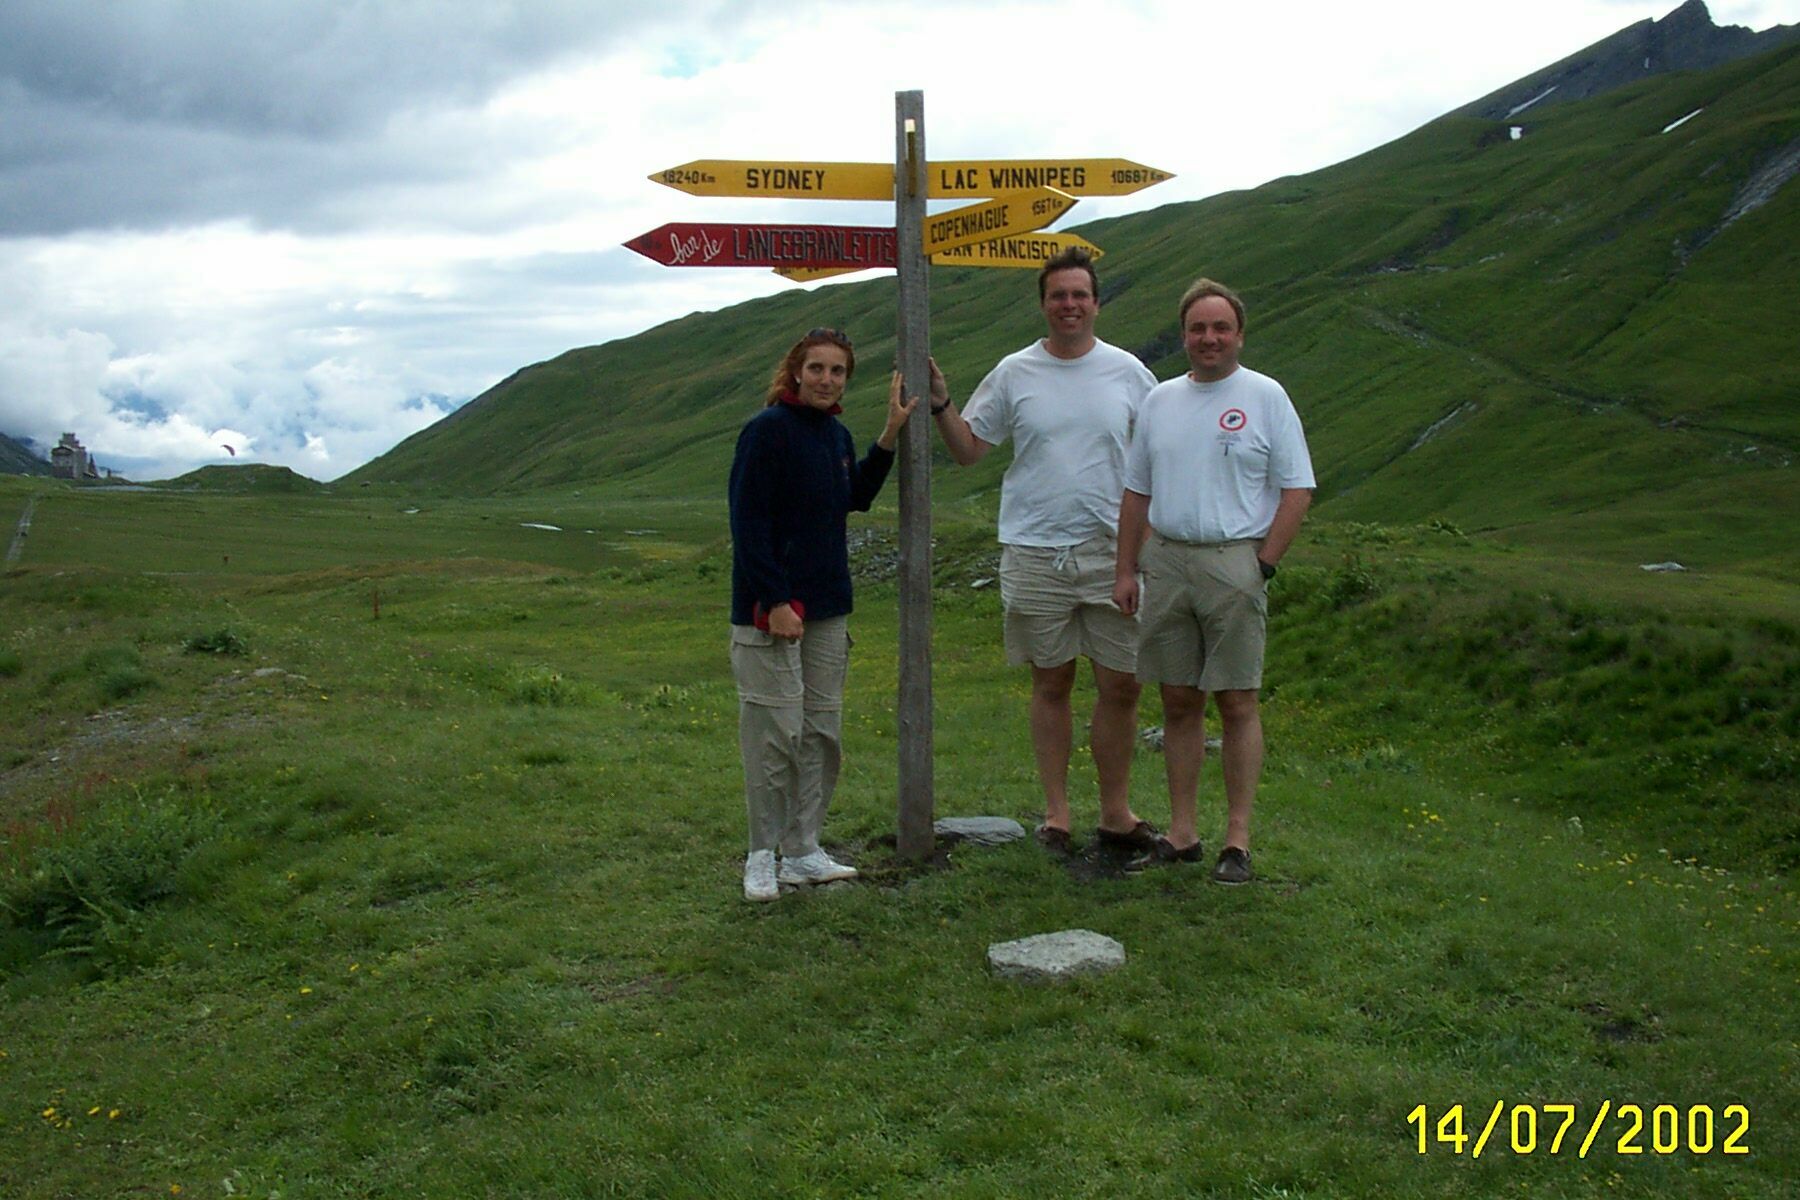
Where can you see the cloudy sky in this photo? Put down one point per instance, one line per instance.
(307, 228)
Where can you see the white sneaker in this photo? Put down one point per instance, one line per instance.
(759, 876)
(817, 867)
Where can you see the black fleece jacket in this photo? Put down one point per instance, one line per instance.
(793, 482)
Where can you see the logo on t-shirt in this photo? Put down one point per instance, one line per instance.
(1232, 420)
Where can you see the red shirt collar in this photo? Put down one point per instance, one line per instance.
(792, 399)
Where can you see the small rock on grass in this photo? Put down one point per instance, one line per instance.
(1152, 736)
(1052, 957)
(979, 831)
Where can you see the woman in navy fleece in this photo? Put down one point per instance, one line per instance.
(793, 481)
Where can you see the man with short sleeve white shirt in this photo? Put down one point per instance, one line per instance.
(1068, 403)
(1217, 481)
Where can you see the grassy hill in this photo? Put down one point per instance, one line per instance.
(249, 479)
(1515, 335)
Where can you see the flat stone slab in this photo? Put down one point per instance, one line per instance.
(1152, 736)
(1052, 957)
(982, 831)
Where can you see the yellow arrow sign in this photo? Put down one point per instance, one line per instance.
(962, 179)
(1025, 251)
(809, 274)
(1020, 212)
(805, 180)
(1076, 176)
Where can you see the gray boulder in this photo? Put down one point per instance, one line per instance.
(1052, 957)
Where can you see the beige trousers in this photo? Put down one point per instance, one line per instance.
(790, 730)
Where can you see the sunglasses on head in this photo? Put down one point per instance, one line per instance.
(831, 335)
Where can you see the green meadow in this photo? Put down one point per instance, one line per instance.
(351, 850)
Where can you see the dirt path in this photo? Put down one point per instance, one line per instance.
(18, 540)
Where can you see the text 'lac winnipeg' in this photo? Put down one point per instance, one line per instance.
(966, 179)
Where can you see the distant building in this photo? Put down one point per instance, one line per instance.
(69, 459)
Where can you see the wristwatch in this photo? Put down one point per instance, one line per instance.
(1268, 569)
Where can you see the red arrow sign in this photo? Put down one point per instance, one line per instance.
(688, 245)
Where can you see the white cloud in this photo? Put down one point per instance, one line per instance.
(49, 381)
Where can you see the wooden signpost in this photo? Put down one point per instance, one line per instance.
(1026, 195)
(917, 804)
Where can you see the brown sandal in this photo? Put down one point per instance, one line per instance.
(1164, 854)
(1052, 838)
(1140, 837)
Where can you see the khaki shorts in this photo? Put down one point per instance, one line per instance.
(1059, 606)
(1204, 612)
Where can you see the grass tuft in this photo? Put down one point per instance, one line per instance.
(117, 671)
(80, 884)
(219, 641)
(542, 686)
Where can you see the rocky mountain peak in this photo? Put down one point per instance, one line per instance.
(1684, 40)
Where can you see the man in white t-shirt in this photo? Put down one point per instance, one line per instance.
(1068, 403)
(1216, 484)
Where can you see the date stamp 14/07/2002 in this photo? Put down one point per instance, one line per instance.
(1557, 1129)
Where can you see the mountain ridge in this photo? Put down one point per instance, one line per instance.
(18, 458)
(1435, 305)
(1687, 39)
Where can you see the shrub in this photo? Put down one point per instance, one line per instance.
(541, 685)
(219, 641)
(10, 664)
(123, 683)
(118, 672)
(1352, 583)
(1369, 533)
(102, 659)
(84, 885)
